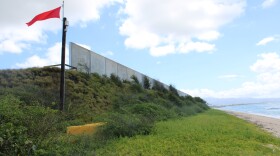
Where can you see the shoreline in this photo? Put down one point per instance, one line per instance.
(272, 125)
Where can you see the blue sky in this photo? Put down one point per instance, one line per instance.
(207, 48)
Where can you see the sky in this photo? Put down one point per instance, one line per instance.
(206, 48)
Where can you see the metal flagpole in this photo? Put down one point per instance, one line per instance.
(62, 9)
(62, 71)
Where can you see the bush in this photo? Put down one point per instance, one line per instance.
(187, 110)
(23, 127)
(13, 135)
(159, 87)
(153, 112)
(175, 99)
(136, 88)
(125, 125)
(146, 82)
(116, 80)
(173, 90)
(36, 115)
(14, 140)
(135, 79)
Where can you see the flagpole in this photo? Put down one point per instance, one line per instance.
(62, 71)
(62, 9)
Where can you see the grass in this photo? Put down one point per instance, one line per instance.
(31, 123)
(210, 133)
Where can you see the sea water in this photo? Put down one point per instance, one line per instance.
(264, 109)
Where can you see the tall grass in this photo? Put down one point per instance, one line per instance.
(210, 133)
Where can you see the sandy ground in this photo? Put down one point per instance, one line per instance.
(269, 124)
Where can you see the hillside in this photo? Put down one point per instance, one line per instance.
(31, 123)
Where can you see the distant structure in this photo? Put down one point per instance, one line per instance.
(91, 62)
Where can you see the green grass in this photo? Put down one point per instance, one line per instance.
(210, 133)
(31, 124)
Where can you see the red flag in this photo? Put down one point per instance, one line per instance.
(55, 13)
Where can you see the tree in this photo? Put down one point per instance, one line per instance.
(173, 90)
(135, 79)
(146, 82)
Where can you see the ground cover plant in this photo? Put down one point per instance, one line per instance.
(32, 125)
(210, 133)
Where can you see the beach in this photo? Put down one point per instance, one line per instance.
(269, 124)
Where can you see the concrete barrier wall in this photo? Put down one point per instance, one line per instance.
(97, 64)
(80, 57)
(91, 62)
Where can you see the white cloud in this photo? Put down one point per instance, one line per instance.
(196, 46)
(16, 36)
(268, 3)
(200, 92)
(164, 23)
(266, 84)
(12, 46)
(269, 62)
(162, 50)
(83, 11)
(265, 41)
(52, 57)
(209, 36)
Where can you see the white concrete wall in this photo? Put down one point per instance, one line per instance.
(97, 64)
(111, 67)
(122, 72)
(88, 61)
(80, 57)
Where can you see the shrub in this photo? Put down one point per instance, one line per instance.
(35, 116)
(116, 80)
(146, 82)
(173, 90)
(153, 112)
(14, 140)
(13, 135)
(186, 110)
(136, 88)
(159, 87)
(135, 79)
(175, 99)
(23, 127)
(125, 125)
(202, 105)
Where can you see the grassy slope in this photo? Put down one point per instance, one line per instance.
(209, 133)
(28, 114)
(30, 122)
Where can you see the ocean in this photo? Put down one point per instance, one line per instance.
(269, 109)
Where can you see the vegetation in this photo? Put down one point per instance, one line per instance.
(147, 83)
(159, 87)
(173, 90)
(210, 133)
(32, 125)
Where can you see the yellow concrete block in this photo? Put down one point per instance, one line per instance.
(84, 129)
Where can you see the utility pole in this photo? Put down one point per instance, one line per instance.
(62, 71)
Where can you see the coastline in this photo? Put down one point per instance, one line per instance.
(269, 124)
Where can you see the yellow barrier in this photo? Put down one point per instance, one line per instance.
(84, 129)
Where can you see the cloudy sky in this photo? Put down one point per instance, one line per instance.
(207, 48)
